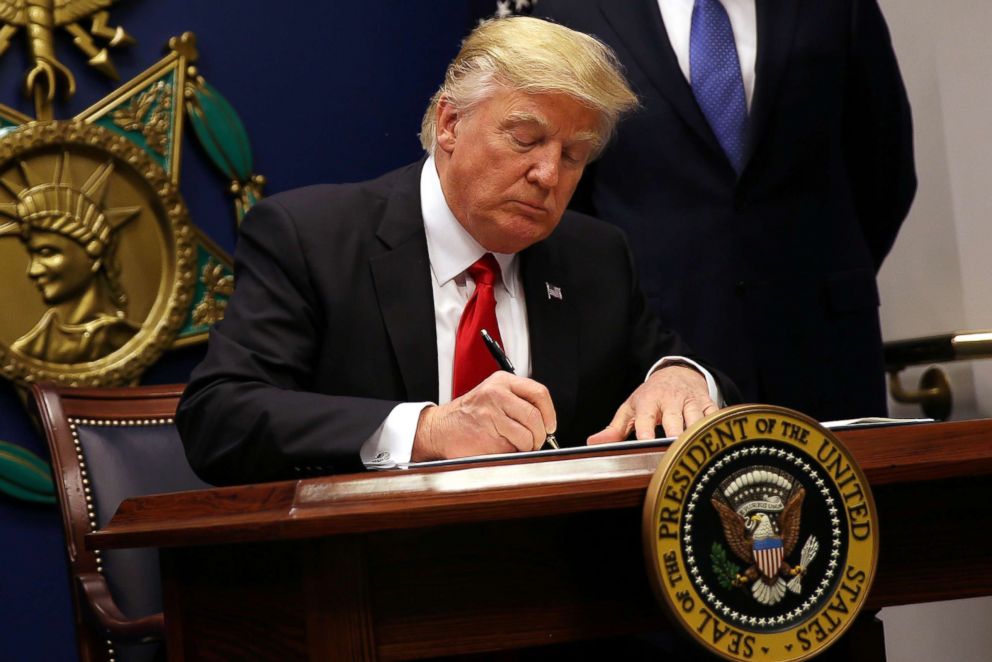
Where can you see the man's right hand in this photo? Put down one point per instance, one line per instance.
(503, 414)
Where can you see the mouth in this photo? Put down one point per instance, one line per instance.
(532, 207)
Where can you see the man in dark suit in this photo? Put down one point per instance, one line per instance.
(761, 184)
(352, 338)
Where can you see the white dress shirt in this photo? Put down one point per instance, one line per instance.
(452, 250)
(677, 15)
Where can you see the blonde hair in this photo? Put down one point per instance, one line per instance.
(534, 57)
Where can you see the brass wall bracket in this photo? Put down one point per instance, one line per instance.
(933, 394)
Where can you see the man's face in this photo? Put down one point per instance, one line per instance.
(59, 266)
(509, 167)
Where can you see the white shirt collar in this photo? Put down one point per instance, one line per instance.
(450, 247)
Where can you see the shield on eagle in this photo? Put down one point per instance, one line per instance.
(768, 555)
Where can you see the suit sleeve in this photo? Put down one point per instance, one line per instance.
(878, 139)
(247, 414)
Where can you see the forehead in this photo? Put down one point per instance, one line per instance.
(37, 238)
(553, 112)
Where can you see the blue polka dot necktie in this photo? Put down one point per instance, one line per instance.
(716, 80)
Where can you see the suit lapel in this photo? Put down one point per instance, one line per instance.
(640, 27)
(552, 325)
(776, 20)
(403, 288)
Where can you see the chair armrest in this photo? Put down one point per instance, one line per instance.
(109, 617)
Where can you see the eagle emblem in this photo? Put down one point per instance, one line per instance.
(760, 510)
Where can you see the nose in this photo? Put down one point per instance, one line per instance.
(544, 169)
(35, 268)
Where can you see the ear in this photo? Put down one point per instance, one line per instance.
(446, 127)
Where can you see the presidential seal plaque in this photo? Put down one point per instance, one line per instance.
(761, 534)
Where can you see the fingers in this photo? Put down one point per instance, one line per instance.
(520, 424)
(672, 421)
(505, 413)
(617, 430)
(537, 395)
(674, 397)
(696, 409)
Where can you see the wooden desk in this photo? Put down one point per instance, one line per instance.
(403, 565)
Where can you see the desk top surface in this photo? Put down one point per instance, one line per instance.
(368, 502)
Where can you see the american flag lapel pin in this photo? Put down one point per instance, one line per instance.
(554, 292)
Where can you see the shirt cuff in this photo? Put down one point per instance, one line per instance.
(714, 390)
(392, 443)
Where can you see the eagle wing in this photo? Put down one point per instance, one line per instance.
(734, 531)
(788, 521)
(13, 12)
(69, 11)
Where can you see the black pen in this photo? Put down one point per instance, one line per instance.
(504, 364)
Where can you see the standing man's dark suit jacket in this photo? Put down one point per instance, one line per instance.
(332, 324)
(770, 275)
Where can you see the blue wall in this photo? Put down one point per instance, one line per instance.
(328, 90)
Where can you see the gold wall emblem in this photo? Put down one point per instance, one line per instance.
(760, 534)
(97, 246)
(96, 254)
(40, 18)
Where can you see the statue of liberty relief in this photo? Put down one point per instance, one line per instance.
(70, 237)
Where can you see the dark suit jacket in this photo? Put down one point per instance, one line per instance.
(770, 275)
(332, 324)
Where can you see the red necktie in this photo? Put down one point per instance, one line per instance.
(473, 362)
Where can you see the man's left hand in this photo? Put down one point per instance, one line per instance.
(675, 396)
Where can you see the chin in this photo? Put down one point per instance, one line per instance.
(517, 235)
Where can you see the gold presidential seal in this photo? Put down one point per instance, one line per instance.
(760, 534)
(96, 255)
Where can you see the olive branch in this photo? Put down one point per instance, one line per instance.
(726, 570)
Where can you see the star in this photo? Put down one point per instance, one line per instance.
(762, 621)
(503, 9)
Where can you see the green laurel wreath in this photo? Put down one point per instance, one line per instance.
(726, 570)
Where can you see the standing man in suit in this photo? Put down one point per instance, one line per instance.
(353, 335)
(761, 184)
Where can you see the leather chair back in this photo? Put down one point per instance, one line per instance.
(107, 445)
